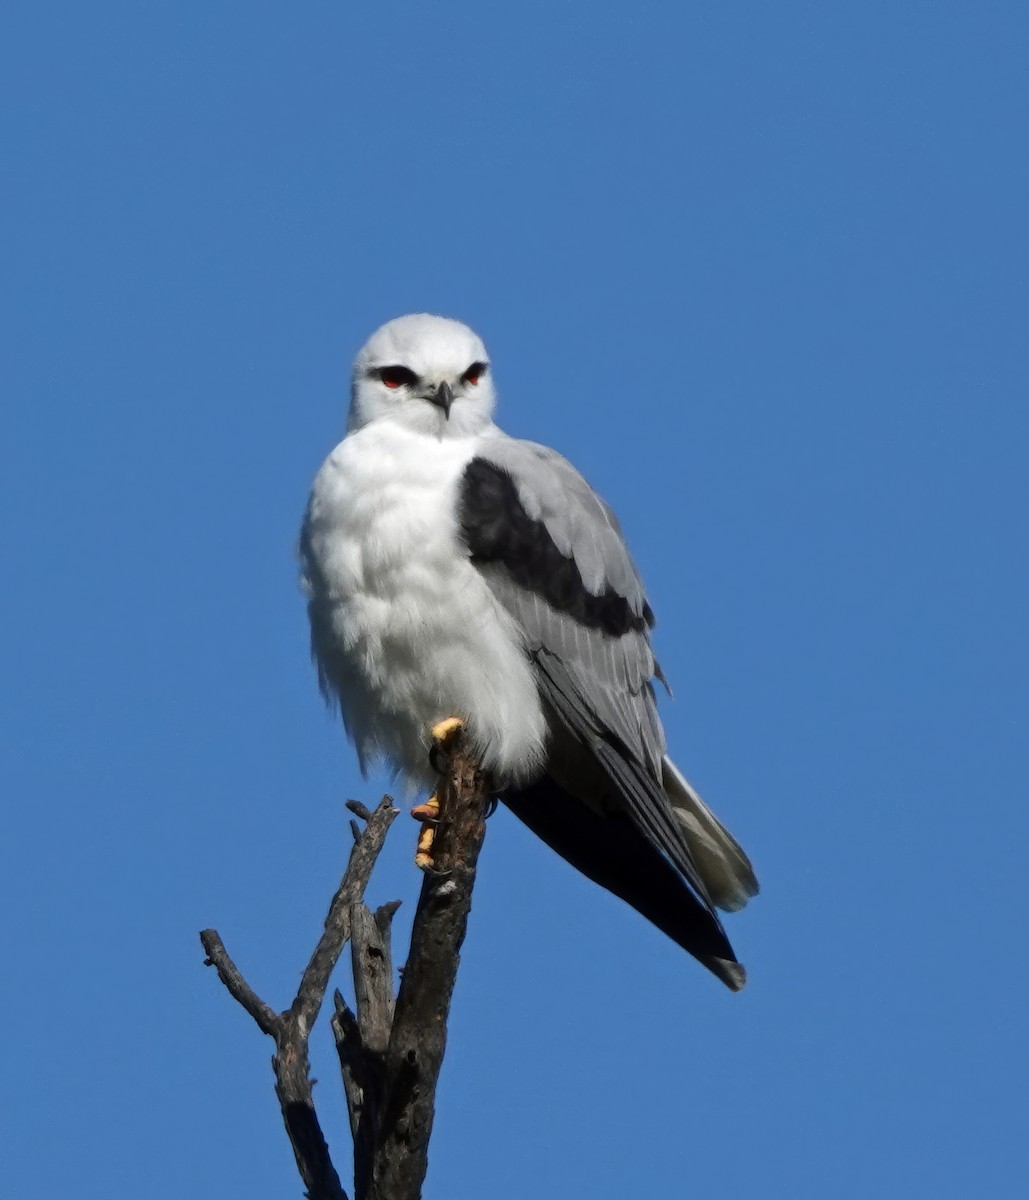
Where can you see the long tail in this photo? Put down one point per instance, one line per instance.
(719, 858)
(611, 850)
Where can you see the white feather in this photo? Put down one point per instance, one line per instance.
(418, 633)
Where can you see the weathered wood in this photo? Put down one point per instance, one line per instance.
(390, 1047)
(418, 1037)
(362, 1043)
(291, 1029)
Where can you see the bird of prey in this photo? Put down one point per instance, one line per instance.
(453, 571)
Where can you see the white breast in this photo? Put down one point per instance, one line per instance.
(416, 635)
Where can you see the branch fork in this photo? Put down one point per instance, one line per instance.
(390, 1046)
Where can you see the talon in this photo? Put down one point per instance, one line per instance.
(431, 870)
(443, 734)
(429, 811)
(445, 730)
(423, 858)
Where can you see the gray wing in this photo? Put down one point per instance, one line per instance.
(553, 554)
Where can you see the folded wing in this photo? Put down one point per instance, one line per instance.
(554, 556)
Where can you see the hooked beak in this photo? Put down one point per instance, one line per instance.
(443, 397)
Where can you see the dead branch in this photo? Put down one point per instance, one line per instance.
(418, 1037)
(291, 1029)
(390, 1048)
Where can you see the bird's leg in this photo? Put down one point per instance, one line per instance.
(443, 736)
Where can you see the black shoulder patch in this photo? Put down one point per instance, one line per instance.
(497, 529)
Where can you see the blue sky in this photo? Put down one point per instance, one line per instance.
(760, 271)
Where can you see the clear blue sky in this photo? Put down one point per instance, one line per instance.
(760, 270)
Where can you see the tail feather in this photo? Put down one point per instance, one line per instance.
(611, 850)
(719, 858)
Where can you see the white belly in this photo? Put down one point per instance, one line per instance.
(415, 632)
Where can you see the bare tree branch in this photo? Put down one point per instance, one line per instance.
(337, 923)
(390, 1047)
(291, 1029)
(372, 961)
(419, 1034)
(352, 1065)
(268, 1020)
(362, 1040)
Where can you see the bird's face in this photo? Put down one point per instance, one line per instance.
(429, 374)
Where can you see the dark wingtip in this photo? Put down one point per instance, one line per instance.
(732, 974)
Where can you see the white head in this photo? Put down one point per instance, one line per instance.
(428, 374)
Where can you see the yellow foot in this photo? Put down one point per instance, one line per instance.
(443, 735)
(444, 732)
(423, 857)
(429, 811)
(428, 814)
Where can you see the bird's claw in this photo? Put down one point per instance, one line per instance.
(423, 859)
(423, 855)
(429, 869)
(427, 813)
(446, 730)
(443, 735)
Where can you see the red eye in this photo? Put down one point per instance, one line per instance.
(474, 373)
(394, 377)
